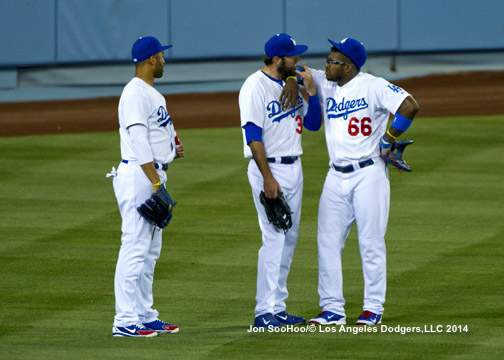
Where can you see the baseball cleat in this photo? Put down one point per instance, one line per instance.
(329, 318)
(369, 318)
(288, 319)
(137, 330)
(162, 327)
(266, 320)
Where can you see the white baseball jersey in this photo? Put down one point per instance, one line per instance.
(355, 117)
(259, 105)
(356, 114)
(281, 135)
(141, 103)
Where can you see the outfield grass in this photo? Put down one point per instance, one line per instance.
(60, 236)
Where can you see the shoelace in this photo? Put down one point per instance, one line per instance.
(140, 326)
(270, 317)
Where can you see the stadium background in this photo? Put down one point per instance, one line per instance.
(63, 66)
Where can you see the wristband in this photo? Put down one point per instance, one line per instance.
(159, 183)
(392, 136)
(401, 123)
(291, 77)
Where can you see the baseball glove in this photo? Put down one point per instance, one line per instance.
(395, 156)
(157, 209)
(277, 211)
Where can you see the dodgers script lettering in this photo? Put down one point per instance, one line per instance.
(344, 107)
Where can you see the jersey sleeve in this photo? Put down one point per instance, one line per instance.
(319, 77)
(389, 96)
(135, 110)
(251, 100)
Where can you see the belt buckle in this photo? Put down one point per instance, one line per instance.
(288, 159)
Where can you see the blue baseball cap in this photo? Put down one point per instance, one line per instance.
(145, 47)
(353, 49)
(283, 45)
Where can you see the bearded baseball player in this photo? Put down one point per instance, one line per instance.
(272, 142)
(357, 189)
(148, 144)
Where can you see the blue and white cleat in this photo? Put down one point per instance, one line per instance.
(137, 330)
(288, 319)
(369, 318)
(329, 318)
(266, 320)
(162, 327)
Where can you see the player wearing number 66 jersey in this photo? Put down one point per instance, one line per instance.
(272, 140)
(356, 109)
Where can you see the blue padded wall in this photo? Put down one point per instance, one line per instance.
(224, 28)
(52, 32)
(372, 22)
(440, 25)
(28, 29)
(104, 30)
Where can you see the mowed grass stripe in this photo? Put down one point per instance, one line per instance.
(444, 246)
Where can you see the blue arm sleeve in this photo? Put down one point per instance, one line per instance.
(313, 118)
(252, 132)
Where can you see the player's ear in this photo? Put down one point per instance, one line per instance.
(277, 60)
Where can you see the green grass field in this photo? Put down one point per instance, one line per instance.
(60, 236)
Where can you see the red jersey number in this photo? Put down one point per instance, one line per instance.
(365, 128)
(299, 128)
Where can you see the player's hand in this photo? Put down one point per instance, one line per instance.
(307, 78)
(289, 97)
(179, 151)
(271, 188)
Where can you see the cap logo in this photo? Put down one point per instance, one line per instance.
(293, 41)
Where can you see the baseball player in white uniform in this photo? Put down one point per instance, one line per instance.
(356, 108)
(272, 142)
(148, 144)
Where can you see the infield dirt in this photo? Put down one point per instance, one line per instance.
(454, 94)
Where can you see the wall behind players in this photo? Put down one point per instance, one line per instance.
(53, 32)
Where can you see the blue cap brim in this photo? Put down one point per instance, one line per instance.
(336, 45)
(298, 50)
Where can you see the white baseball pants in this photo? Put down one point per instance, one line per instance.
(277, 250)
(140, 248)
(362, 196)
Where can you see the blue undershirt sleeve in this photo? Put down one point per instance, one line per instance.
(313, 118)
(252, 132)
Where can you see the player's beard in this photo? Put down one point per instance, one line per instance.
(158, 71)
(284, 71)
(333, 77)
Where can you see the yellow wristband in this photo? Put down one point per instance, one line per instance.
(159, 183)
(291, 77)
(392, 136)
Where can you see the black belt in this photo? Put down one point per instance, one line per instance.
(156, 165)
(350, 168)
(284, 159)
